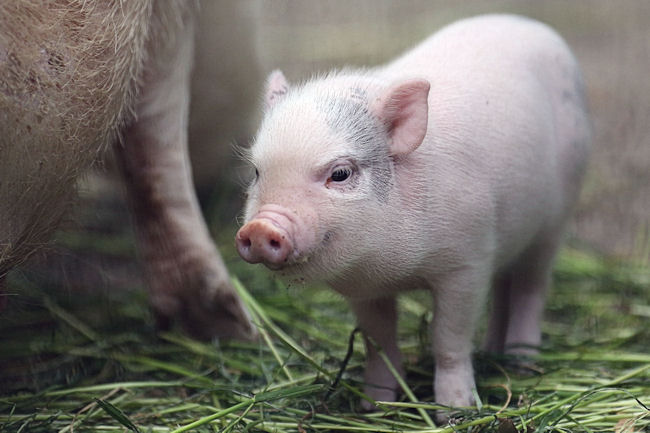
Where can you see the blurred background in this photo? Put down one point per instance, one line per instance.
(240, 41)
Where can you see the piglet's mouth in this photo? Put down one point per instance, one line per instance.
(304, 263)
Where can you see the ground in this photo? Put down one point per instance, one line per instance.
(77, 339)
(80, 353)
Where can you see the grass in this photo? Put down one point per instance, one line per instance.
(82, 361)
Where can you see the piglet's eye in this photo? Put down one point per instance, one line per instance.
(340, 174)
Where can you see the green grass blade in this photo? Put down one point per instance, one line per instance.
(117, 414)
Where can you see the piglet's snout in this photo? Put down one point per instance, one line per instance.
(262, 241)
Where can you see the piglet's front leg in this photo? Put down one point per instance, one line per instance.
(377, 319)
(458, 300)
(185, 273)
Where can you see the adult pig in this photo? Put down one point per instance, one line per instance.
(454, 168)
(73, 77)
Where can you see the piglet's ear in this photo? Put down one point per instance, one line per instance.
(405, 111)
(276, 88)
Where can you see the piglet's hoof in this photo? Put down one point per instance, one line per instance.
(206, 305)
(377, 394)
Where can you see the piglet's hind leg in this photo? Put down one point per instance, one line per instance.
(530, 281)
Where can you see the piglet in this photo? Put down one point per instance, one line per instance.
(453, 169)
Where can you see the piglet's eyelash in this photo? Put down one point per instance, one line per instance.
(341, 174)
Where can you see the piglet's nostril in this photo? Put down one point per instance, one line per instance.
(261, 240)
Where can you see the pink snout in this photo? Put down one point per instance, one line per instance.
(262, 241)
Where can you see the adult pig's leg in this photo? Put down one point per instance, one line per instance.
(186, 275)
